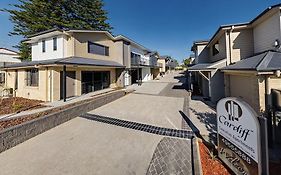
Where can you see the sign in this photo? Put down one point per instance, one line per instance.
(238, 136)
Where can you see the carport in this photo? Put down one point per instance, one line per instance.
(210, 79)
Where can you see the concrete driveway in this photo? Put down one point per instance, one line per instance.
(155, 102)
(83, 146)
(149, 109)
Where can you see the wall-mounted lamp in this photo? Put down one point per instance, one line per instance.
(276, 43)
(277, 73)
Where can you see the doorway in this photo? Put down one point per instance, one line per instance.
(95, 80)
(135, 73)
(70, 84)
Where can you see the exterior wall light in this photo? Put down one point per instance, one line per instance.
(277, 73)
(276, 43)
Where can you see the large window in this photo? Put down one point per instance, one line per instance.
(135, 58)
(98, 49)
(32, 77)
(43, 46)
(55, 43)
(216, 48)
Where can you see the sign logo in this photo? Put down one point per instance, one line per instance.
(238, 136)
(233, 109)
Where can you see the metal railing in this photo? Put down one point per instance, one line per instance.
(145, 62)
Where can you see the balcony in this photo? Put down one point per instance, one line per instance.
(142, 61)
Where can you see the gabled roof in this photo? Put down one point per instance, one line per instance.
(67, 61)
(199, 42)
(58, 31)
(245, 24)
(266, 61)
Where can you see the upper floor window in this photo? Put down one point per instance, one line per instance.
(43, 46)
(32, 77)
(215, 48)
(2, 78)
(134, 55)
(98, 49)
(55, 43)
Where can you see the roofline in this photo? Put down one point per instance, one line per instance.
(225, 27)
(114, 38)
(44, 32)
(246, 23)
(132, 41)
(264, 12)
(9, 50)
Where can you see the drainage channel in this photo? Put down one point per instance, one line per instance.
(140, 126)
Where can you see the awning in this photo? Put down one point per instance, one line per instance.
(263, 62)
(67, 61)
(208, 66)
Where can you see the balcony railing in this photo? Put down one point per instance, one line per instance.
(152, 61)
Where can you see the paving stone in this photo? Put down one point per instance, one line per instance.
(170, 157)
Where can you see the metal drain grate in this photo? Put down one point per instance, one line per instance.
(140, 126)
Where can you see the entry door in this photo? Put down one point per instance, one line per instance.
(70, 84)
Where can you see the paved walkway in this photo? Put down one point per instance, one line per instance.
(203, 119)
(123, 137)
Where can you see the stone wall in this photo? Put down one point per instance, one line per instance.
(15, 135)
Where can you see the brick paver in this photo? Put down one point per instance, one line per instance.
(172, 156)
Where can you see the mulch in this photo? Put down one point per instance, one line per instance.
(17, 104)
(211, 165)
(4, 124)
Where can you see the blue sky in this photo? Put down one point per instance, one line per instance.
(167, 26)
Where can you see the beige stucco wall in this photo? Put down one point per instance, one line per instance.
(241, 44)
(30, 92)
(273, 83)
(48, 88)
(266, 32)
(245, 86)
(80, 46)
(222, 49)
(163, 62)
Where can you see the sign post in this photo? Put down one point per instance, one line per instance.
(239, 136)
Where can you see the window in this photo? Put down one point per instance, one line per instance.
(43, 46)
(215, 48)
(98, 49)
(2, 78)
(32, 77)
(135, 58)
(55, 43)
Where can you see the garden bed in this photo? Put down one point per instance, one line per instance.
(210, 164)
(17, 104)
(4, 124)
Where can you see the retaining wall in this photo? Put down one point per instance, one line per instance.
(15, 135)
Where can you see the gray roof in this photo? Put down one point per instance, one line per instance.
(69, 61)
(208, 66)
(267, 61)
(202, 66)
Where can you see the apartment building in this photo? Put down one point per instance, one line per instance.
(242, 60)
(7, 57)
(228, 45)
(67, 63)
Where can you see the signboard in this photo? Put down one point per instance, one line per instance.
(238, 136)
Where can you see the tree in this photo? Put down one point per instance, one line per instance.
(187, 61)
(33, 16)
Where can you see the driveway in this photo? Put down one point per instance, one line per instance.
(161, 103)
(85, 146)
